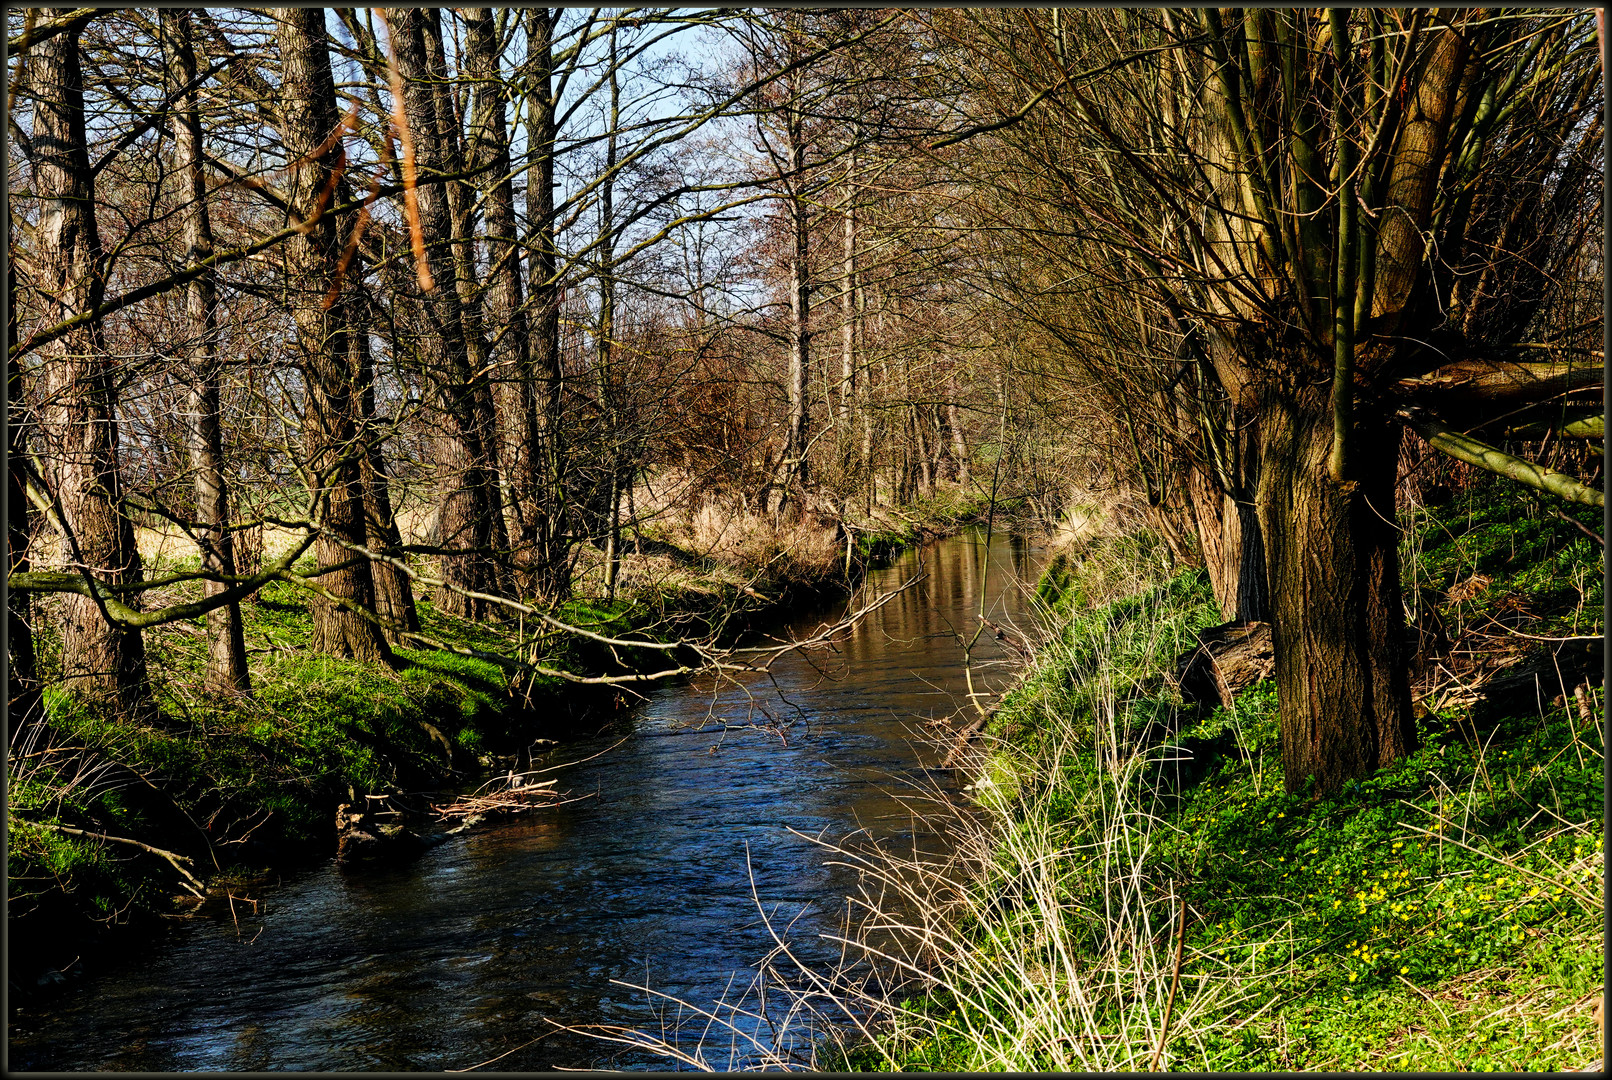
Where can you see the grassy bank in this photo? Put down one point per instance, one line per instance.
(228, 791)
(1445, 914)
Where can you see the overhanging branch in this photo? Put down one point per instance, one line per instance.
(1466, 448)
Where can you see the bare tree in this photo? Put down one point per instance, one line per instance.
(77, 417)
(332, 433)
(226, 648)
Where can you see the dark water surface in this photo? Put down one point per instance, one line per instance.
(654, 879)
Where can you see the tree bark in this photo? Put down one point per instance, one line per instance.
(226, 646)
(1337, 620)
(78, 425)
(467, 523)
(394, 590)
(848, 388)
(548, 512)
(22, 666)
(514, 399)
(959, 443)
(793, 474)
(331, 426)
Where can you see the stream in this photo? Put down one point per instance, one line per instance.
(656, 874)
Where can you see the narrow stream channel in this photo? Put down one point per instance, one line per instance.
(654, 879)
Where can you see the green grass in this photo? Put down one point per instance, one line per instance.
(1444, 914)
(245, 782)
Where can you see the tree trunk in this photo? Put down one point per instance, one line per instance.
(468, 521)
(226, 647)
(394, 591)
(959, 444)
(847, 395)
(609, 402)
(1233, 549)
(793, 473)
(945, 463)
(1336, 616)
(450, 156)
(514, 398)
(547, 512)
(1219, 538)
(78, 426)
(22, 666)
(330, 425)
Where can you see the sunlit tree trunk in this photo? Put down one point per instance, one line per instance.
(330, 425)
(1337, 618)
(514, 391)
(468, 517)
(548, 512)
(394, 590)
(22, 664)
(608, 391)
(793, 472)
(78, 436)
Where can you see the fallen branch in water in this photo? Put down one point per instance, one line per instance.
(515, 798)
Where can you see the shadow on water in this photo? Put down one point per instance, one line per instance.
(654, 878)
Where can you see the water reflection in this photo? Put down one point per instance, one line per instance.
(660, 877)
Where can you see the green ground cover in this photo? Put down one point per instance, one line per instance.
(1444, 914)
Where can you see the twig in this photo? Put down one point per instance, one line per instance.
(1175, 982)
(192, 882)
(1583, 528)
(506, 1053)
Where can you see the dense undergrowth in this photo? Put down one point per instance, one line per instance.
(232, 788)
(1444, 914)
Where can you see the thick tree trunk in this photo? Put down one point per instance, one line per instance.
(78, 426)
(226, 646)
(1336, 615)
(1220, 538)
(469, 521)
(331, 427)
(449, 156)
(1233, 549)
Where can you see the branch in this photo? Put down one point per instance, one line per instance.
(192, 882)
(1067, 80)
(1506, 381)
(73, 20)
(1470, 450)
(222, 258)
(131, 618)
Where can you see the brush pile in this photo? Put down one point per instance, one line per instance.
(503, 796)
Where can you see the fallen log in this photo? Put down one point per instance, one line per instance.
(1228, 659)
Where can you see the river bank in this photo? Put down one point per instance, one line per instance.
(113, 827)
(1171, 906)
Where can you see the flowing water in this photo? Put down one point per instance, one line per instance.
(658, 875)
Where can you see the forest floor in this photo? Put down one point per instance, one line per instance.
(114, 825)
(1445, 914)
